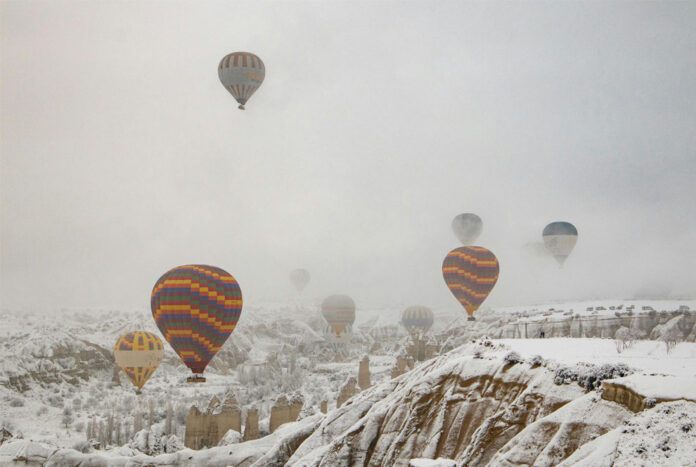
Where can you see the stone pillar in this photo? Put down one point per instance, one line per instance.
(364, 373)
(251, 427)
(348, 390)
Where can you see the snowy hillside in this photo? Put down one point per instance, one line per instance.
(488, 402)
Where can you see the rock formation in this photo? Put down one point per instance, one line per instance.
(251, 426)
(285, 411)
(206, 429)
(348, 390)
(364, 373)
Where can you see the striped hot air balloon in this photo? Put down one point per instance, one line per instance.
(196, 308)
(417, 319)
(138, 353)
(560, 239)
(470, 272)
(338, 311)
(241, 73)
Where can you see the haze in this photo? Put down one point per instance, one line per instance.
(378, 122)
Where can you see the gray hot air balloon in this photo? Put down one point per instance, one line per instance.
(338, 340)
(560, 239)
(241, 73)
(467, 227)
(300, 279)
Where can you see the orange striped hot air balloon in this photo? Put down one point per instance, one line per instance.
(470, 272)
(241, 73)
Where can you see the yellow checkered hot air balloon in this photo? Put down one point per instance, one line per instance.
(138, 353)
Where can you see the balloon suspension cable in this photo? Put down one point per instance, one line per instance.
(241, 107)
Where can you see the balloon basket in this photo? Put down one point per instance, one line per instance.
(138, 392)
(471, 318)
(241, 107)
(195, 379)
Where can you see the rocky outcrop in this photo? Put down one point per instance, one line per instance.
(206, 429)
(251, 426)
(348, 390)
(458, 408)
(364, 373)
(284, 411)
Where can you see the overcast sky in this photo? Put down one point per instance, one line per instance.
(123, 156)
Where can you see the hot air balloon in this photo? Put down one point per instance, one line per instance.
(417, 319)
(138, 353)
(338, 311)
(560, 239)
(300, 279)
(241, 73)
(196, 308)
(470, 272)
(338, 340)
(467, 227)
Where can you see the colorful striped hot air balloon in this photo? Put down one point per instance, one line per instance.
(560, 239)
(138, 353)
(470, 272)
(417, 319)
(196, 308)
(338, 311)
(241, 73)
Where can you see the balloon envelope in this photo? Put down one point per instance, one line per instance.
(560, 239)
(338, 311)
(417, 318)
(241, 73)
(138, 353)
(467, 227)
(338, 339)
(300, 279)
(470, 272)
(196, 308)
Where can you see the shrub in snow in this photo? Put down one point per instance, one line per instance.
(84, 447)
(650, 402)
(590, 376)
(17, 402)
(511, 358)
(536, 360)
(478, 354)
(173, 444)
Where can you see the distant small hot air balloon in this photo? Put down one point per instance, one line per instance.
(338, 311)
(241, 73)
(467, 227)
(417, 319)
(196, 308)
(138, 353)
(470, 272)
(560, 239)
(300, 279)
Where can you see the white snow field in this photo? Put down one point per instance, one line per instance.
(50, 366)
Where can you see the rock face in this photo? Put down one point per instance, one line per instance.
(477, 411)
(651, 322)
(284, 411)
(206, 429)
(402, 366)
(364, 373)
(251, 427)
